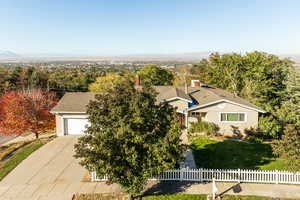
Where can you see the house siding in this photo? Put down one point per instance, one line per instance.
(179, 104)
(227, 128)
(59, 125)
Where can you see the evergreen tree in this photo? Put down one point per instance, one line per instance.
(289, 147)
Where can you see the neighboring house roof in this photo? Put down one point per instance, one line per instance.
(73, 102)
(198, 97)
(169, 93)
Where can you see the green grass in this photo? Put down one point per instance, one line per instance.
(18, 155)
(234, 154)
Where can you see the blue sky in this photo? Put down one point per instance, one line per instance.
(113, 27)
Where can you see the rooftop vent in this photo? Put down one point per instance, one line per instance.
(205, 86)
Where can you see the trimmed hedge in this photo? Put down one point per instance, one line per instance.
(207, 128)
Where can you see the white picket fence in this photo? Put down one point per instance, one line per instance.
(223, 175)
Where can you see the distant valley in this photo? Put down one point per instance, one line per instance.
(11, 57)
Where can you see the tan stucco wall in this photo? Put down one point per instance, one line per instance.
(214, 111)
(59, 125)
(180, 104)
(192, 120)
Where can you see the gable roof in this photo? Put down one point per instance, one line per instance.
(206, 96)
(169, 93)
(74, 102)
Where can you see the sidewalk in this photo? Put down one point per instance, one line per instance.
(26, 138)
(5, 138)
(189, 161)
(61, 191)
(268, 190)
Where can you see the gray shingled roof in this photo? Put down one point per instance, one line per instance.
(169, 92)
(76, 102)
(208, 95)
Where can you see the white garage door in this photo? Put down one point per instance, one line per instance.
(75, 126)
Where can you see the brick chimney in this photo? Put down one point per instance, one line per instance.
(137, 80)
(195, 83)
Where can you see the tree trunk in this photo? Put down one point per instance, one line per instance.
(131, 197)
(36, 135)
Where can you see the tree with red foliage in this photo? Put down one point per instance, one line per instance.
(27, 110)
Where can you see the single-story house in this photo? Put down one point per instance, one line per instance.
(197, 102)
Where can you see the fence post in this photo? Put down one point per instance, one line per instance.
(277, 177)
(239, 175)
(181, 174)
(201, 175)
(92, 176)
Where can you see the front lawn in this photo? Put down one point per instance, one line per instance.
(14, 154)
(230, 154)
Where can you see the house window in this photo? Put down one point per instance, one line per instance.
(232, 117)
(195, 114)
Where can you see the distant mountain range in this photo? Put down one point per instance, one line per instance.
(8, 54)
(294, 57)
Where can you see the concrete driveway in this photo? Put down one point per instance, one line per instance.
(50, 173)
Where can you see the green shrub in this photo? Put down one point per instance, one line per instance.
(269, 127)
(253, 135)
(253, 139)
(207, 128)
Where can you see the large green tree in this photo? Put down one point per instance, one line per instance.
(261, 78)
(154, 75)
(257, 76)
(131, 137)
(106, 82)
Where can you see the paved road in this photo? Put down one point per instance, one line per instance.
(4, 138)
